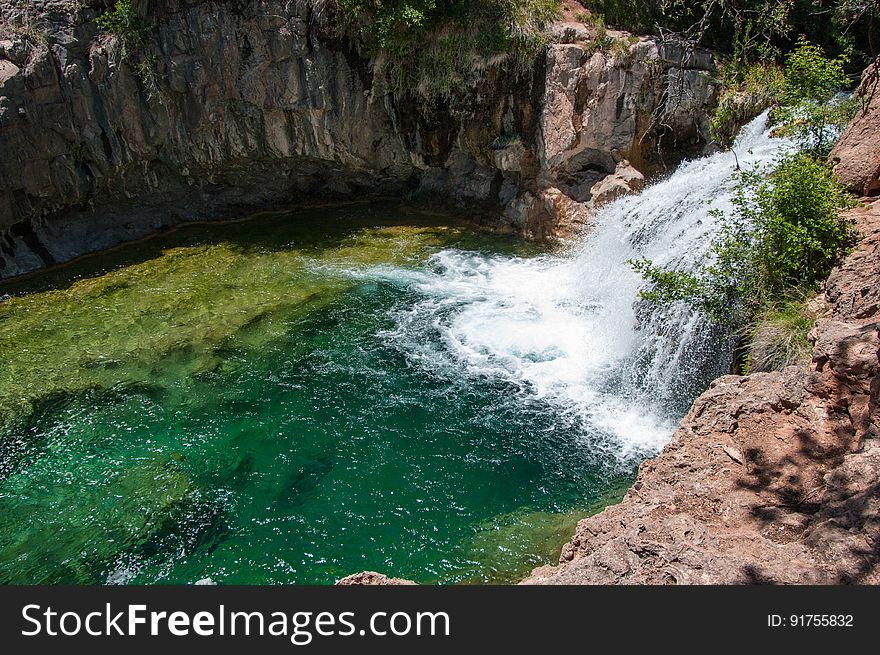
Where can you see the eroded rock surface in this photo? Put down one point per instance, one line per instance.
(243, 104)
(856, 157)
(370, 579)
(772, 478)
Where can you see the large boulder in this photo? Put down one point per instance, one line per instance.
(856, 157)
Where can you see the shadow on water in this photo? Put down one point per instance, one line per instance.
(309, 230)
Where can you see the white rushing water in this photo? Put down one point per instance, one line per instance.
(566, 329)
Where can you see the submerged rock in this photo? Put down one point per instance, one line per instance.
(112, 525)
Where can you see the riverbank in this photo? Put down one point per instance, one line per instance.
(773, 478)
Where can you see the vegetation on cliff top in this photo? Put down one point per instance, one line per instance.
(125, 22)
(436, 48)
(755, 38)
(753, 30)
(133, 32)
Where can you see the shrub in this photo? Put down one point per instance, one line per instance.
(798, 215)
(785, 234)
(146, 70)
(621, 51)
(722, 286)
(811, 112)
(753, 28)
(810, 75)
(804, 96)
(124, 21)
(816, 126)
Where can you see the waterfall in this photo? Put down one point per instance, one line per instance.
(568, 330)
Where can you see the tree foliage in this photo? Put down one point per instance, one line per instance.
(754, 30)
(810, 75)
(811, 110)
(800, 234)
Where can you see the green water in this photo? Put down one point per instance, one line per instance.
(222, 402)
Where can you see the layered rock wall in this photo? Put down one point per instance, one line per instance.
(235, 104)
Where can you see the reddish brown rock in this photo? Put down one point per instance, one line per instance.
(853, 289)
(623, 181)
(856, 158)
(773, 478)
(371, 579)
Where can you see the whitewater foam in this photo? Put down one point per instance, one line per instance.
(568, 330)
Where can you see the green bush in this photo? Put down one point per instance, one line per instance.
(783, 238)
(786, 231)
(804, 97)
(811, 76)
(810, 112)
(798, 215)
(725, 286)
(124, 21)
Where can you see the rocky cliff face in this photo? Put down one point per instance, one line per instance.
(856, 157)
(244, 103)
(773, 478)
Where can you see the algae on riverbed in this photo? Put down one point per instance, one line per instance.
(225, 402)
(190, 296)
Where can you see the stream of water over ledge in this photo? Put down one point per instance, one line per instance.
(298, 397)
